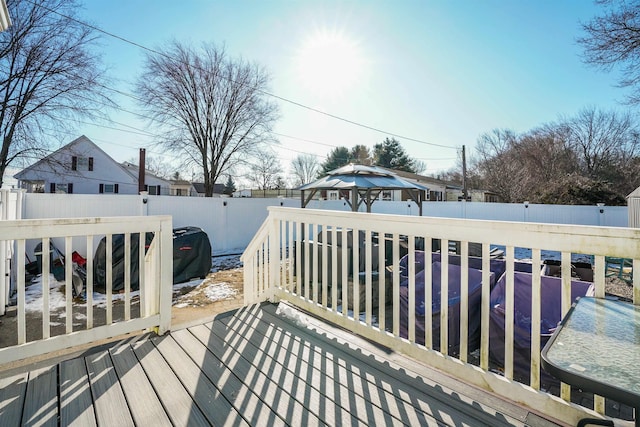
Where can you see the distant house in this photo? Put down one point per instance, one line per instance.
(81, 167)
(438, 189)
(245, 192)
(218, 189)
(181, 187)
(474, 196)
(154, 185)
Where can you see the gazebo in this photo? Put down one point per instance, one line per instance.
(359, 184)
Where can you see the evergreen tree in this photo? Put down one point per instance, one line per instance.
(360, 155)
(229, 186)
(338, 157)
(390, 154)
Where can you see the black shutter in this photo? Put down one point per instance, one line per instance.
(115, 188)
(74, 163)
(90, 163)
(158, 191)
(52, 187)
(70, 188)
(101, 188)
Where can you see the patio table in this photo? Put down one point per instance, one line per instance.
(597, 348)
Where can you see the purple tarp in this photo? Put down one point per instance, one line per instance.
(551, 315)
(475, 287)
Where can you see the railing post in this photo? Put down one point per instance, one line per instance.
(249, 283)
(166, 275)
(273, 258)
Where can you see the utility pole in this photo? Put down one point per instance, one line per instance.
(464, 174)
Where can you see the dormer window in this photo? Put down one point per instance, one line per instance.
(81, 163)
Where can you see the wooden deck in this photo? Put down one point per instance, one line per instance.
(250, 367)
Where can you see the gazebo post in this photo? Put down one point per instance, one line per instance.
(354, 200)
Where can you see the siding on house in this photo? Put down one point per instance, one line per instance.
(81, 167)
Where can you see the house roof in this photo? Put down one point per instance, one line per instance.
(133, 170)
(425, 179)
(634, 194)
(81, 139)
(199, 187)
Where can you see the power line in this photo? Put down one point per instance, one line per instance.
(273, 95)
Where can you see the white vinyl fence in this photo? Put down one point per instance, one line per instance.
(231, 223)
(609, 216)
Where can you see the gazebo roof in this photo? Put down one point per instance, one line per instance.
(362, 177)
(364, 183)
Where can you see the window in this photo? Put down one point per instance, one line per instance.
(334, 195)
(153, 190)
(61, 188)
(435, 196)
(387, 195)
(81, 163)
(178, 191)
(109, 188)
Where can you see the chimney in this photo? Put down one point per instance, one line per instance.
(141, 169)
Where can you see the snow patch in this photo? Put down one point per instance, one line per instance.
(219, 291)
(292, 314)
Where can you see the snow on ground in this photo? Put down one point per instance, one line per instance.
(214, 291)
(226, 262)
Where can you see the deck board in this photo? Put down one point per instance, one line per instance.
(110, 404)
(238, 393)
(179, 405)
(211, 402)
(378, 394)
(41, 402)
(12, 391)
(142, 399)
(337, 402)
(250, 367)
(413, 381)
(268, 382)
(76, 403)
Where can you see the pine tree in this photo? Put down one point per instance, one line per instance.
(390, 154)
(229, 186)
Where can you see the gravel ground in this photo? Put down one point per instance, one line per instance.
(615, 286)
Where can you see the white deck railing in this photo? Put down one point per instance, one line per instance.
(155, 281)
(292, 255)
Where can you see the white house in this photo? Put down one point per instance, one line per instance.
(82, 167)
(155, 185)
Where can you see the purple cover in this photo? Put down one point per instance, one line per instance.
(475, 293)
(550, 289)
(497, 266)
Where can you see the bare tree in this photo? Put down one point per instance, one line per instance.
(604, 141)
(158, 167)
(500, 169)
(265, 172)
(49, 74)
(213, 109)
(614, 39)
(305, 168)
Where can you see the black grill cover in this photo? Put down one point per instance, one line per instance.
(191, 257)
(191, 254)
(100, 261)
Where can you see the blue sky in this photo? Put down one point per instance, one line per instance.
(442, 72)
